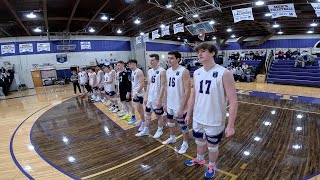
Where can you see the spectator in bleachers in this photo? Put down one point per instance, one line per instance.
(247, 55)
(251, 54)
(239, 73)
(237, 56)
(244, 66)
(308, 58)
(280, 55)
(288, 54)
(295, 54)
(262, 55)
(299, 61)
(242, 56)
(234, 72)
(256, 56)
(247, 73)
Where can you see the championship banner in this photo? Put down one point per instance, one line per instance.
(62, 59)
(146, 37)
(85, 45)
(165, 31)
(25, 48)
(8, 49)
(179, 27)
(282, 10)
(43, 47)
(155, 34)
(316, 7)
(242, 14)
(138, 40)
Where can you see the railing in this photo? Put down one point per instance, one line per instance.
(268, 62)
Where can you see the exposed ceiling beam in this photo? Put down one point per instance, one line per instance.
(123, 10)
(149, 9)
(16, 16)
(4, 31)
(72, 13)
(45, 14)
(96, 14)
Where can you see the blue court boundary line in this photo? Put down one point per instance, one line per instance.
(11, 146)
(311, 176)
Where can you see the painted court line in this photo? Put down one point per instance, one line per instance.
(190, 157)
(123, 164)
(311, 112)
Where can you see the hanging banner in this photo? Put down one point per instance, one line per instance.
(43, 47)
(282, 10)
(242, 14)
(85, 45)
(146, 37)
(155, 34)
(25, 48)
(8, 49)
(316, 7)
(138, 40)
(165, 31)
(179, 27)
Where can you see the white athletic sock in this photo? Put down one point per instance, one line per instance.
(200, 157)
(160, 128)
(185, 142)
(172, 137)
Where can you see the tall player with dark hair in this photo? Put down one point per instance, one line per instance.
(176, 99)
(137, 80)
(154, 96)
(213, 85)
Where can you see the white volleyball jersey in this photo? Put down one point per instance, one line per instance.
(155, 84)
(175, 88)
(100, 75)
(92, 76)
(136, 82)
(83, 77)
(117, 78)
(210, 99)
(109, 87)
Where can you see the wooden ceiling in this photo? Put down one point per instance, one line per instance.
(79, 15)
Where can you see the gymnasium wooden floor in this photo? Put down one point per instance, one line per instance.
(48, 133)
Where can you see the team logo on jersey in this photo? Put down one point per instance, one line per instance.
(215, 74)
(178, 73)
(134, 73)
(157, 72)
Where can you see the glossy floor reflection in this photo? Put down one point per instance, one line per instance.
(275, 139)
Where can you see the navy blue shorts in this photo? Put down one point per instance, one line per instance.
(110, 93)
(138, 100)
(216, 139)
(159, 111)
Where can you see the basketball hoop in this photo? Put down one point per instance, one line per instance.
(202, 35)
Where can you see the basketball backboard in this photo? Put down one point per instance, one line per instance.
(197, 28)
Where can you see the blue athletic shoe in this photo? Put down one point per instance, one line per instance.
(132, 121)
(193, 162)
(211, 171)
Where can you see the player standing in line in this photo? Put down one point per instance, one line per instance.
(176, 98)
(213, 84)
(109, 86)
(83, 80)
(154, 96)
(137, 80)
(92, 83)
(100, 75)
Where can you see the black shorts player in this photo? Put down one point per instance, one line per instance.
(125, 85)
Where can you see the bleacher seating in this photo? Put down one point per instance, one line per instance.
(284, 72)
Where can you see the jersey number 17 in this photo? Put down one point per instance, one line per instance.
(208, 83)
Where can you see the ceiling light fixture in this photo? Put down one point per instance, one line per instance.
(162, 25)
(37, 30)
(214, 38)
(179, 38)
(313, 24)
(31, 15)
(104, 17)
(275, 25)
(119, 31)
(280, 32)
(229, 30)
(195, 15)
(310, 32)
(268, 14)
(233, 36)
(137, 21)
(179, 18)
(212, 22)
(142, 33)
(260, 3)
(92, 30)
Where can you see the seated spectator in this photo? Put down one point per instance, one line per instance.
(242, 56)
(256, 56)
(244, 66)
(236, 56)
(299, 61)
(280, 55)
(288, 54)
(239, 73)
(251, 54)
(295, 54)
(247, 73)
(247, 55)
(309, 59)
